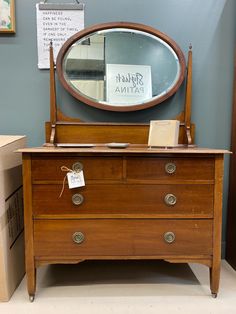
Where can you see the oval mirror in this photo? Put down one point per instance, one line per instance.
(121, 66)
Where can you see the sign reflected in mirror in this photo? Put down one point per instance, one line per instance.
(121, 66)
(127, 84)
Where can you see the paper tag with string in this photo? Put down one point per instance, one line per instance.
(75, 179)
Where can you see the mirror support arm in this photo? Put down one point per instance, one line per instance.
(53, 105)
(188, 99)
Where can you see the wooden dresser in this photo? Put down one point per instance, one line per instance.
(137, 203)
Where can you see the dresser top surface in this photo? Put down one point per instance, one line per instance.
(130, 149)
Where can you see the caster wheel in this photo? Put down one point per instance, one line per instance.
(31, 298)
(214, 295)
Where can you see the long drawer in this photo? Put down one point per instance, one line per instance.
(122, 237)
(125, 199)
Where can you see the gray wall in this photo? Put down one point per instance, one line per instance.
(209, 25)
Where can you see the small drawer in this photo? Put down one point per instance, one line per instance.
(122, 237)
(170, 168)
(99, 168)
(165, 200)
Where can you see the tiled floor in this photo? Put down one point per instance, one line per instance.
(127, 287)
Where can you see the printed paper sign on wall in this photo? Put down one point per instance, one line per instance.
(56, 25)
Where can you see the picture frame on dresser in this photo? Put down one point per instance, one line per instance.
(160, 202)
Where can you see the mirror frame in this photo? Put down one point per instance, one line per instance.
(126, 25)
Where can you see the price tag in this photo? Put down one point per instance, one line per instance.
(75, 179)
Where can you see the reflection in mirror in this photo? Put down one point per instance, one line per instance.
(121, 67)
(85, 67)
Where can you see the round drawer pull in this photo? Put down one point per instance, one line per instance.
(170, 199)
(77, 166)
(77, 199)
(169, 237)
(78, 237)
(170, 168)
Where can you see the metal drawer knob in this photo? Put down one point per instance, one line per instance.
(77, 166)
(78, 237)
(169, 237)
(77, 199)
(170, 168)
(170, 199)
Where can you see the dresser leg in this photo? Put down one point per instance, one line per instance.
(31, 284)
(214, 280)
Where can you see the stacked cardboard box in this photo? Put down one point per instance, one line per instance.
(11, 215)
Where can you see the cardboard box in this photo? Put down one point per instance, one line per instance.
(12, 266)
(163, 133)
